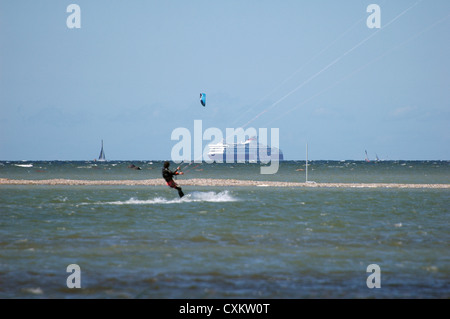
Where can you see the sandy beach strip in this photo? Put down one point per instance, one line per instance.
(216, 182)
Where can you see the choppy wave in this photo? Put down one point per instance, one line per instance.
(24, 165)
(215, 197)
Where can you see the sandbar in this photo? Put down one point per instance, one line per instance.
(216, 182)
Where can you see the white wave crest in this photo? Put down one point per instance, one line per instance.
(224, 196)
(24, 165)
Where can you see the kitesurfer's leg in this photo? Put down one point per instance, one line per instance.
(172, 184)
(180, 192)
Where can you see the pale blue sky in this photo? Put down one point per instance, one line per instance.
(134, 70)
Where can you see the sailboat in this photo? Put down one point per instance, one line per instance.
(367, 158)
(102, 157)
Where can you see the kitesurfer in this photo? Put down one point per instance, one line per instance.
(168, 177)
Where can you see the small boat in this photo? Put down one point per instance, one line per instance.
(101, 157)
(367, 158)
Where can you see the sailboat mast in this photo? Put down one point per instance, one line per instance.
(102, 154)
(306, 163)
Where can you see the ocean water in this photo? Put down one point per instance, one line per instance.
(225, 241)
(416, 172)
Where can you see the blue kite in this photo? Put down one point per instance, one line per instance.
(203, 99)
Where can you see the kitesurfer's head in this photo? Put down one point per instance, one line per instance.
(166, 164)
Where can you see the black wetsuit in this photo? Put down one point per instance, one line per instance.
(168, 177)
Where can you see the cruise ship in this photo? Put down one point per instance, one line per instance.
(249, 151)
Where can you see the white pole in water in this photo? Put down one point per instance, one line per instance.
(306, 162)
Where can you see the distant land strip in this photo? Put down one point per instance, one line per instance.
(215, 182)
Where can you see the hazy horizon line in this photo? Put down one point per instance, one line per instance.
(190, 161)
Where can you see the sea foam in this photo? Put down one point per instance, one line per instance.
(224, 196)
